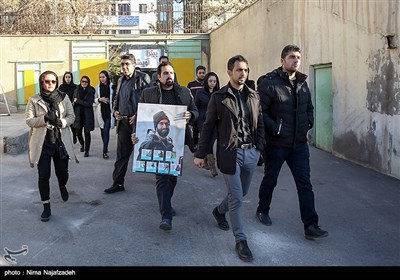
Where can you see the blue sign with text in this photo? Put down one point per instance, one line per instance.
(128, 20)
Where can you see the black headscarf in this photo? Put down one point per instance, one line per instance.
(51, 99)
(68, 88)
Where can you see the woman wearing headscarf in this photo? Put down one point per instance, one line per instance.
(211, 85)
(84, 115)
(103, 100)
(49, 114)
(68, 86)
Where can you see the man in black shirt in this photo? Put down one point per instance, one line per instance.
(168, 92)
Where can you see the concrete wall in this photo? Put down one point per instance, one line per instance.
(351, 35)
(50, 52)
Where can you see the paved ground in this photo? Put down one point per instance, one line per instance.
(359, 207)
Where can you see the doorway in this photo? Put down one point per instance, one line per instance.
(323, 110)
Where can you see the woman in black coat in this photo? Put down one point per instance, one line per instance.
(211, 85)
(68, 86)
(84, 115)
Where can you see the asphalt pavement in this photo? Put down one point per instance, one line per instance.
(358, 206)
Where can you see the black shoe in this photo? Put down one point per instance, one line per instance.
(166, 224)
(221, 221)
(74, 140)
(64, 193)
(105, 156)
(116, 188)
(46, 213)
(86, 154)
(243, 251)
(313, 231)
(82, 148)
(263, 218)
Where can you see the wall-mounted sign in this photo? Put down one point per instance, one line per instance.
(128, 20)
(146, 58)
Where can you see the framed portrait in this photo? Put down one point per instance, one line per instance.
(161, 132)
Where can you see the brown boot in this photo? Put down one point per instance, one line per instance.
(211, 164)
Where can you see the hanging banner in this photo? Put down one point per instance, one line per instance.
(161, 132)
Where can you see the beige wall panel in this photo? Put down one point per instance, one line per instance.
(51, 52)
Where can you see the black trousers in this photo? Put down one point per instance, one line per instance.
(124, 151)
(85, 141)
(44, 171)
(165, 186)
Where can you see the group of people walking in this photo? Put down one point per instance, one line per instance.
(272, 121)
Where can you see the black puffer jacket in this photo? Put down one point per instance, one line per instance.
(287, 110)
(223, 113)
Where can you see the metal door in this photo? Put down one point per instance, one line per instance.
(323, 111)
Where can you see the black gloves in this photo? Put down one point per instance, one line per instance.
(58, 123)
(52, 119)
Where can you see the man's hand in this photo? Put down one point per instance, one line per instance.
(132, 119)
(134, 138)
(187, 115)
(199, 162)
(117, 116)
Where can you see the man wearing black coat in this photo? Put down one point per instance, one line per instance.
(288, 115)
(235, 112)
(168, 92)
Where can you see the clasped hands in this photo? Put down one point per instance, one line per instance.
(51, 118)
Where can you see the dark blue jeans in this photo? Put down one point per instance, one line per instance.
(298, 160)
(105, 134)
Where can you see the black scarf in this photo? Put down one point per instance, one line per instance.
(52, 100)
(68, 89)
(105, 108)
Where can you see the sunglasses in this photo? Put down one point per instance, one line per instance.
(84, 82)
(49, 82)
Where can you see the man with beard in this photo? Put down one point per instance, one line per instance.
(167, 92)
(158, 139)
